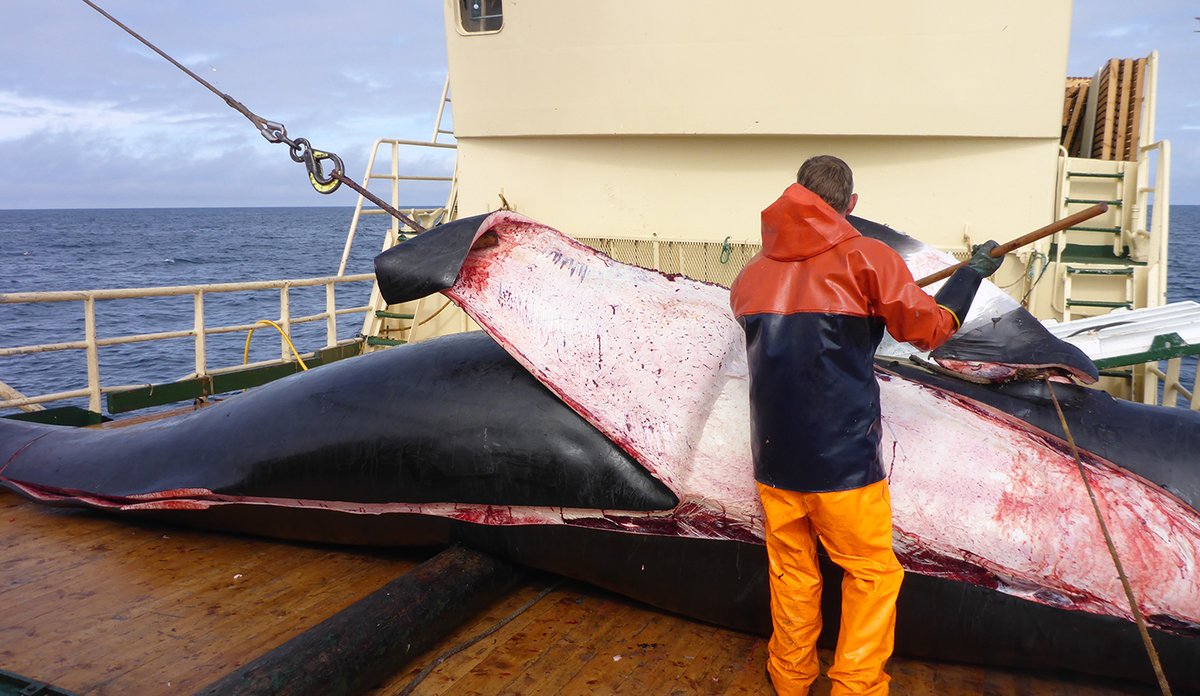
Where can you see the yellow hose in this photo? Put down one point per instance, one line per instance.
(250, 334)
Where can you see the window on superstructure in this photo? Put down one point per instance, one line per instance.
(479, 16)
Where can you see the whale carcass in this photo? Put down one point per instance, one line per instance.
(609, 441)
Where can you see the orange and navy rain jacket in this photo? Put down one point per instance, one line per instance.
(814, 304)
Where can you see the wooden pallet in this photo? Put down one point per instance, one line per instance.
(1118, 109)
(1074, 109)
(1116, 118)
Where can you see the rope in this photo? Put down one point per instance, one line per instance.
(1112, 550)
(360, 190)
(250, 334)
(726, 252)
(429, 318)
(437, 661)
(302, 151)
(1045, 261)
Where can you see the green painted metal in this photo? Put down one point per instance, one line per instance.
(1119, 271)
(62, 415)
(15, 685)
(1092, 201)
(1088, 253)
(1099, 303)
(1097, 175)
(158, 394)
(392, 315)
(1109, 230)
(381, 341)
(197, 387)
(1164, 347)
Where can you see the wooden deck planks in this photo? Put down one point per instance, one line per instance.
(566, 643)
(98, 605)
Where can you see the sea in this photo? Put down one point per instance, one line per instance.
(44, 250)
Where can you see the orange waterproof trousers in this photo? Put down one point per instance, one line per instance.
(855, 527)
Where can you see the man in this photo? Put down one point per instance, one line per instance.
(814, 304)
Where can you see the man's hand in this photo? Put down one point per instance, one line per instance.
(981, 260)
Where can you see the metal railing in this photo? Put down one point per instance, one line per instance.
(375, 323)
(91, 343)
(1172, 381)
(1148, 242)
(394, 177)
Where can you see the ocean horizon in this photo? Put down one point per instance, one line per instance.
(94, 248)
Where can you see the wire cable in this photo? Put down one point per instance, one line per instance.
(250, 334)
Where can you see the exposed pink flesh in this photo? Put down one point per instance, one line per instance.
(998, 372)
(657, 363)
(651, 360)
(978, 486)
(678, 522)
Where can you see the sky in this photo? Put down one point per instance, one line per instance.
(91, 118)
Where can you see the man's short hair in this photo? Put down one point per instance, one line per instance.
(830, 178)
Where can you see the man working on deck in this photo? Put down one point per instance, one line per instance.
(814, 304)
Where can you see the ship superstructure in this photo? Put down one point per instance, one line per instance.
(657, 133)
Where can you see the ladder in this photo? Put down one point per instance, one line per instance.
(1096, 271)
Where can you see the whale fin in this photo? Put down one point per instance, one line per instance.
(1000, 340)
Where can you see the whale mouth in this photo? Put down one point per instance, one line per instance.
(683, 521)
(1000, 341)
(177, 499)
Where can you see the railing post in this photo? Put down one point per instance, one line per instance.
(330, 316)
(94, 390)
(395, 172)
(1171, 383)
(93, 353)
(1150, 379)
(198, 331)
(285, 321)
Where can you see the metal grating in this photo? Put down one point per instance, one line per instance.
(712, 262)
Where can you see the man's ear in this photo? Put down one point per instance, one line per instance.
(853, 202)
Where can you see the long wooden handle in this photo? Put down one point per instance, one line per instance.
(1069, 221)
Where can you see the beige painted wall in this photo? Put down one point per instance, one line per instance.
(705, 187)
(918, 67)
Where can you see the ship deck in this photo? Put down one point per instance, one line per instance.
(96, 604)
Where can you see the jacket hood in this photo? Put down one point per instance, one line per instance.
(800, 225)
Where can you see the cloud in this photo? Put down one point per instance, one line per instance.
(77, 93)
(365, 79)
(118, 128)
(1116, 32)
(22, 116)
